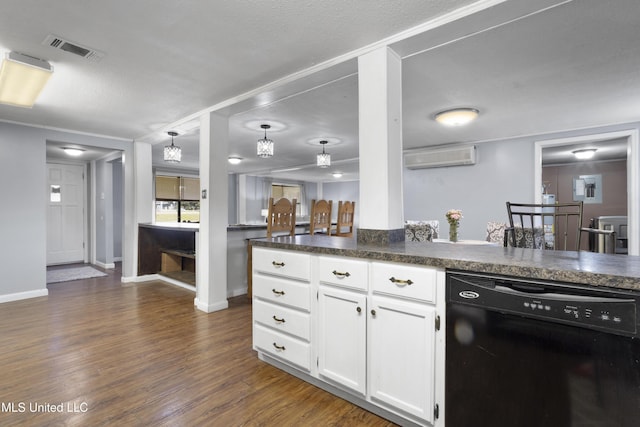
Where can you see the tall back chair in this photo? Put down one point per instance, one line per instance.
(320, 216)
(544, 226)
(281, 216)
(344, 226)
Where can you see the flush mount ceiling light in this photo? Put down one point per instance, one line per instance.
(265, 145)
(337, 174)
(235, 160)
(22, 78)
(71, 151)
(584, 153)
(456, 116)
(172, 153)
(323, 159)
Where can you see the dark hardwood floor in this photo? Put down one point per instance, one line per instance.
(108, 353)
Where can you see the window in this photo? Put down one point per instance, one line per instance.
(289, 191)
(177, 199)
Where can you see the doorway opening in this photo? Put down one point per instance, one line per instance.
(633, 174)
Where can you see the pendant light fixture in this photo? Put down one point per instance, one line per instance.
(172, 153)
(323, 159)
(265, 145)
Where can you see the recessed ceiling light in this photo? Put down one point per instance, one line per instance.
(71, 151)
(584, 153)
(337, 174)
(235, 160)
(456, 116)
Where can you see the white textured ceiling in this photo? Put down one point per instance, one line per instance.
(530, 70)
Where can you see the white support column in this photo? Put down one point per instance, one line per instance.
(380, 145)
(139, 171)
(211, 252)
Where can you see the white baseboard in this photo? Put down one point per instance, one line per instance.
(236, 292)
(24, 295)
(152, 277)
(108, 266)
(210, 308)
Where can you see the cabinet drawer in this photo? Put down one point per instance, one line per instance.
(296, 265)
(282, 346)
(405, 281)
(282, 291)
(282, 319)
(343, 272)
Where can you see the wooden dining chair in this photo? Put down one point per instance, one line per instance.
(346, 212)
(320, 216)
(281, 216)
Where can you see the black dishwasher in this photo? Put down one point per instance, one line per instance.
(536, 353)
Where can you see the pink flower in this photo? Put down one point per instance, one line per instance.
(453, 216)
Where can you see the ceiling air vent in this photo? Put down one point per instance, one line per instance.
(440, 157)
(72, 47)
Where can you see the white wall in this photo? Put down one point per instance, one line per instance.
(118, 208)
(23, 217)
(504, 171)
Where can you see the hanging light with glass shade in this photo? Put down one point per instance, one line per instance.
(323, 159)
(265, 145)
(172, 153)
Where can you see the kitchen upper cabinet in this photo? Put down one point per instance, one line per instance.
(401, 351)
(342, 337)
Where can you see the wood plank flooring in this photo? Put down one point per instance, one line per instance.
(108, 353)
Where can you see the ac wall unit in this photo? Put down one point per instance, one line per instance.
(440, 157)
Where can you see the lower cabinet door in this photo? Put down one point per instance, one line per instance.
(342, 337)
(402, 351)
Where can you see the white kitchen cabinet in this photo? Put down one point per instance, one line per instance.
(364, 330)
(342, 337)
(282, 306)
(401, 355)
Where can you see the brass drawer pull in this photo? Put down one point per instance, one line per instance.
(277, 264)
(277, 292)
(278, 320)
(400, 282)
(340, 275)
(279, 347)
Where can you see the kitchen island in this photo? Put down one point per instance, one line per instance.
(366, 322)
(615, 271)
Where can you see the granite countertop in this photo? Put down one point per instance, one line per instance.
(615, 271)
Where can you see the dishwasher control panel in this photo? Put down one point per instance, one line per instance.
(569, 304)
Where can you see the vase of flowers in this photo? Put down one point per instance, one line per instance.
(453, 218)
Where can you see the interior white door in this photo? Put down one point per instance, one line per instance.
(65, 213)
